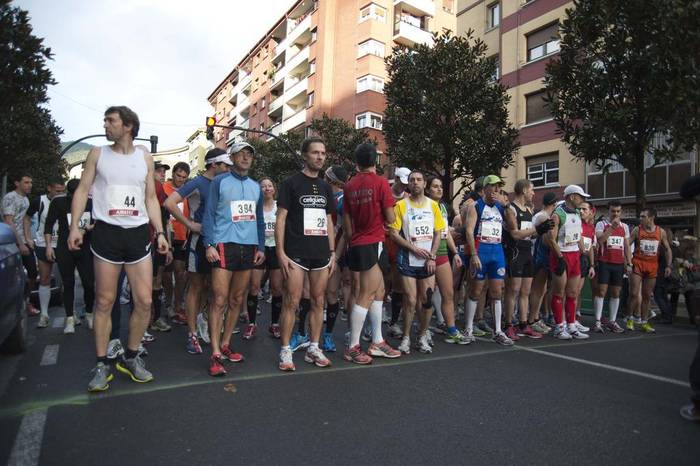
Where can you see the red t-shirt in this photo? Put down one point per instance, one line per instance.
(613, 250)
(366, 197)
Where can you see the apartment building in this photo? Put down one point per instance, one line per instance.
(324, 56)
(524, 35)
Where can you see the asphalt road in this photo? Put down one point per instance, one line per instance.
(613, 399)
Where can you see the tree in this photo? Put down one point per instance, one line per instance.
(341, 139)
(625, 84)
(445, 113)
(29, 137)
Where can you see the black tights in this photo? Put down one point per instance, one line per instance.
(68, 261)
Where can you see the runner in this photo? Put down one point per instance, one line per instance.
(14, 209)
(398, 191)
(416, 231)
(646, 239)
(565, 246)
(196, 192)
(270, 267)
(613, 257)
(68, 261)
(234, 232)
(538, 291)
(159, 322)
(520, 263)
(177, 268)
(124, 201)
(369, 206)
(305, 243)
(443, 296)
(590, 245)
(40, 206)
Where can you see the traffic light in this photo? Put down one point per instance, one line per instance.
(211, 121)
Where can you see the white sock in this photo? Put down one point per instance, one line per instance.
(598, 307)
(376, 309)
(469, 316)
(357, 320)
(614, 306)
(44, 299)
(313, 345)
(497, 315)
(437, 304)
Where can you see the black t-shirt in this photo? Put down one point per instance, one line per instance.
(308, 202)
(59, 211)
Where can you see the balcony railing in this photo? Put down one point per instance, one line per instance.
(417, 7)
(410, 35)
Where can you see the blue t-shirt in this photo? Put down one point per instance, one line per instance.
(197, 192)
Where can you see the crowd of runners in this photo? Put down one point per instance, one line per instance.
(323, 244)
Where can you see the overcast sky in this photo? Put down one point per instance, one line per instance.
(161, 58)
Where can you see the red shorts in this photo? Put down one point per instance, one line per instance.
(573, 263)
(644, 268)
(442, 260)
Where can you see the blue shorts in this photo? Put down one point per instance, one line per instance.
(541, 258)
(493, 262)
(402, 264)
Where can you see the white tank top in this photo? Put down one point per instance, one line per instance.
(119, 196)
(44, 202)
(270, 220)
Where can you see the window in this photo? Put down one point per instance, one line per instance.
(312, 67)
(543, 42)
(373, 12)
(314, 34)
(543, 170)
(493, 16)
(536, 108)
(370, 83)
(368, 120)
(310, 100)
(497, 72)
(370, 47)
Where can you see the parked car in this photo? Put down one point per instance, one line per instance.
(13, 317)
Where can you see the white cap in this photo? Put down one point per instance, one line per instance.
(402, 174)
(220, 158)
(575, 189)
(239, 146)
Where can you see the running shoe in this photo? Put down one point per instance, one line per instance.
(203, 328)
(135, 368)
(31, 310)
(236, 330)
(647, 328)
(160, 325)
(637, 320)
(275, 331)
(249, 331)
(232, 356)
(470, 336)
(100, 381)
(216, 366)
(43, 321)
(405, 346)
(328, 344)
(180, 318)
(485, 327)
(383, 350)
(440, 329)
(457, 338)
(298, 341)
(314, 355)
(286, 362)
(614, 327)
(356, 355)
(114, 349)
(581, 328)
(550, 321)
(193, 346)
(576, 334)
(423, 345)
(503, 339)
(78, 320)
(147, 338)
(69, 328)
(690, 413)
(395, 331)
(343, 316)
(90, 319)
(560, 333)
(142, 351)
(429, 335)
(477, 332)
(529, 332)
(630, 325)
(511, 333)
(541, 327)
(598, 327)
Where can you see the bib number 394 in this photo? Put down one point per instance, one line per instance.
(315, 222)
(124, 201)
(243, 211)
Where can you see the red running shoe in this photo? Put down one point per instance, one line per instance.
(530, 333)
(356, 355)
(249, 331)
(275, 331)
(180, 318)
(226, 353)
(31, 310)
(216, 366)
(511, 333)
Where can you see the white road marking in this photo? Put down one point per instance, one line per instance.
(50, 355)
(58, 322)
(27, 446)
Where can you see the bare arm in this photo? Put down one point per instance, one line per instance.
(152, 205)
(10, 222)
(470, 223)
(347, 234)
(80, 198)
(667, 249)
(551, 237)
(27, 228)
(280, 224)
(171, 204)
(512, 225)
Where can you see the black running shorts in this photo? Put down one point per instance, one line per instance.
(235, 257)
(363, 257)
(119, 245)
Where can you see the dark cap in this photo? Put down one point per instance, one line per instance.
(366, 155)
(549, 199)
(479, 183)
(158, 165)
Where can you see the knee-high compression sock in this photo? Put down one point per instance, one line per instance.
(497, 313)
(252, 303)
(598, 307)
(570, 305)
(557, 309)
(469, 316)
(376, 309)
(157, 303)
(396, 304)
(357, 320)
(614, 306)
(276, 309)
(44, 299)
(437, 304)
(305, 305)
(331, 315)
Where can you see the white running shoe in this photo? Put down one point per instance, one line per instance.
(43, 321)
(576, 334)
(70, 326)
(581, 328)
(423, 344)
(114, 349)
(405, 346)
(90, 319)
(395, 331)
(560, 333)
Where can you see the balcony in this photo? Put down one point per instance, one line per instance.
(232, 116)
(238, 132)
(293, 35)
(294, 62)
(416, 7)
(243, 103)
(243, 81)
(295, 87)
(275, 104)
(299, 118)
(233, 95)
(410, 35)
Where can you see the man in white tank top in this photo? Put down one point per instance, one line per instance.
(124, 201)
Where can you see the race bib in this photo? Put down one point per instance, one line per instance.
(649, 247)
(269, 228)
(491, 232)
(421, 231)
(615, 242)
(525, 225)
(572, 236)
(84, 220)
(315, 222)
(587, 242)
(124, 201)
(243, 211)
